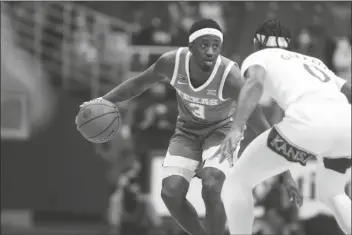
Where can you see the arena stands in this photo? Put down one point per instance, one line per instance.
(80, 50)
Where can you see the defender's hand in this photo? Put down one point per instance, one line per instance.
(293, 191)
(229, 146)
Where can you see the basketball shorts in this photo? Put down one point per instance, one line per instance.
(321, 131)
(190, 147)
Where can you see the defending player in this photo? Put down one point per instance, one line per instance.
(317, 123)
(207, 85)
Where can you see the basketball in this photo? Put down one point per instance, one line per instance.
(98, 121)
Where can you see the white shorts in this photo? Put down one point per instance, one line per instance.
(186, 167)
(324, 131)
(189, 148)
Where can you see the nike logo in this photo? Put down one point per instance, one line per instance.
(182, 83)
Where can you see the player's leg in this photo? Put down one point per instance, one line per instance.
(178, 169)
(331, 184)
(331, 173)
(215, 217)
(257, 163)
(213, 177)
(330, 137)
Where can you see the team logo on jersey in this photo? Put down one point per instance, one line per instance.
(181, 78)
(211, 92)
(282, 147)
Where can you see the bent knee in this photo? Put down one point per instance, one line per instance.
(212, 182)
(174, 187)
(326, 191)
(329, 183)
(346, 227)
(325, 194)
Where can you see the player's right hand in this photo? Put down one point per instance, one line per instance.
(97, 100)
(91, 101)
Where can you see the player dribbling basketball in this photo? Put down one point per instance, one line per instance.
(207, 86)
(317, 124)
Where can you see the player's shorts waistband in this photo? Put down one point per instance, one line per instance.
(192, 125)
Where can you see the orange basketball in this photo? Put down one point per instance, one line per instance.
(99, 121)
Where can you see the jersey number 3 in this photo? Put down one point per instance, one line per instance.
(316, 72)
(197, 110)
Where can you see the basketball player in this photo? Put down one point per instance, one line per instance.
(317, 124)
(207, 86)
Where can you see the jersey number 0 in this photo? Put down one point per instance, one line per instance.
(317, 72)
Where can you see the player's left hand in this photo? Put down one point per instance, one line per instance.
(293, 191)
(229, 146)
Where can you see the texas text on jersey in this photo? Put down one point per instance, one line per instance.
(204, 104)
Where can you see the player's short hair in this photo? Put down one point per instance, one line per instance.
(204, 26)
(272, 34)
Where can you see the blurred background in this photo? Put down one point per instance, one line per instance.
(56, 55)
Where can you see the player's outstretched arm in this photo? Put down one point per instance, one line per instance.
(258, 121)
(160, 70)
(249, 96)
(234, 89)
(346, 90)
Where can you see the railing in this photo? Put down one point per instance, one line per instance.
(67, 38)
(78, 46)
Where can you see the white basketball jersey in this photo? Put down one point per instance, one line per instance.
(293, 77)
